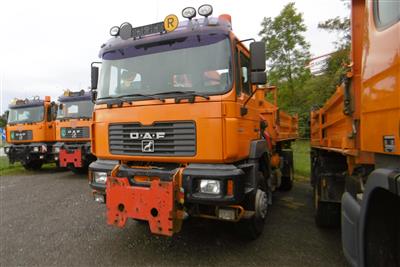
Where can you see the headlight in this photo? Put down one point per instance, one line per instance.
(6, 150)
(210, 186)
(36, 149)
(57, 149)
(100, 177)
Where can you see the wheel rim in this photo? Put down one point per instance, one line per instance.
(261, 204)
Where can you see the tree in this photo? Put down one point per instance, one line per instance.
(3, 120)
(287, 54)
(287, 51)
(340, 26)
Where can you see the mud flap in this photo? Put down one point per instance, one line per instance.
(350, 217)
(154, 204)
(74, 157)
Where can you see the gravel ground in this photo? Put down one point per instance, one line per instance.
(50, 219)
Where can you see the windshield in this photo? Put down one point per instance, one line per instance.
(75, 109)
(26, 114)
(199, 63)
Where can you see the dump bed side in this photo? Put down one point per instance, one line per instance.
(331, 128)
(281, 126)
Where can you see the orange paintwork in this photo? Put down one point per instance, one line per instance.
(223, 135)
(375, 94)
(43, 131)
(154, 204)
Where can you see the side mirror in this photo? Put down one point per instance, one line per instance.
(61, 106)
(54, 108)
(6, 113)
(94, 77)
(94, 95)
(257, 59)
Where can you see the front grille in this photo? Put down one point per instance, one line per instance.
(159, 139)
(21, 135)
(72, 133)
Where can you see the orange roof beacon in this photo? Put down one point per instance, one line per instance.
(181, 126)
(31, 132)
(355, 139)
(73, 123)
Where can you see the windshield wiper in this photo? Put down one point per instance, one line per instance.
(112, 100)
(190, 95)
(126, 97)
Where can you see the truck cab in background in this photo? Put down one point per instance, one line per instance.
(73, 131)
(30, 131)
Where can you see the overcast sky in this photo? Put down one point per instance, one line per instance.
(47, 46)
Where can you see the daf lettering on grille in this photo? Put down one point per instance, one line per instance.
(157, 135)
(147, 139)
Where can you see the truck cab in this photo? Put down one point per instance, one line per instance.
(179, 126)
(31, 132)
(73, 127)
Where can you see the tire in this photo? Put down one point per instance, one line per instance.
(251, 229)
(287, 181)
(33, 165)
(327, 214)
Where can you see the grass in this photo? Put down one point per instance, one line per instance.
(11, 169)
(301, 154)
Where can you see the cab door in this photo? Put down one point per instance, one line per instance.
(248, 116)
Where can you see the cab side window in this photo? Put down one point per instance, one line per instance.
(245, 74)
(386, 13)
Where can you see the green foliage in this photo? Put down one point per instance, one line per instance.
(287, 54)
(3, 120)
(340, 26)
(301, 158)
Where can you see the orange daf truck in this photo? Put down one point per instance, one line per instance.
(31, 132)
(355, 140)
(181, 126)
(73, 123)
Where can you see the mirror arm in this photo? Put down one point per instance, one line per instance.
(243, 109)
(246, 40)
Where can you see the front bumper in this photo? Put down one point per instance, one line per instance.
(29, 152)
(73, 154)
(160, 194)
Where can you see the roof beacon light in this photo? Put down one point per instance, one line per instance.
(205, 10)
(114, 31)
(125, 31)
(189, 13)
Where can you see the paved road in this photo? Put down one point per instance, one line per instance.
(49, 219)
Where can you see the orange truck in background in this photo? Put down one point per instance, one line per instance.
(355, 139)
(31, 132)
(181, 126)
(73, 127)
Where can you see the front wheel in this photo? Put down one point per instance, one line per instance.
(33, 165)
(252, 228)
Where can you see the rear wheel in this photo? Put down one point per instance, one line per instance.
(252, 228)
(287, 181)
(327, 214)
